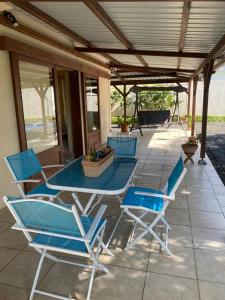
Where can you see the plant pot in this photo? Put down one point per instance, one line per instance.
(189, 150)
(96, 168)
(124, 127)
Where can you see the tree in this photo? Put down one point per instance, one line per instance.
(156, 100)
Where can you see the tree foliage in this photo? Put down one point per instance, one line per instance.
(156, 100)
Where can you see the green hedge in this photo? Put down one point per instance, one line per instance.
(211, 118)
(119, 120)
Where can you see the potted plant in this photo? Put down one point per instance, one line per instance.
(190, 148)
(96, 162)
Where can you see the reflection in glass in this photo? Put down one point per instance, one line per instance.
(91, 89)
(38, 106)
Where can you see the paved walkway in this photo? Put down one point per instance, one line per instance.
(196, 269)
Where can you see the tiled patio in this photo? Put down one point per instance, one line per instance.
(196, 269)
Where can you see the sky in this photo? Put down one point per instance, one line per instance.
(220, 74)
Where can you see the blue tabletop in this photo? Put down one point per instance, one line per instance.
(114, 180)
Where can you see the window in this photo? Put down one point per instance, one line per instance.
(38, 106)
(91, 90)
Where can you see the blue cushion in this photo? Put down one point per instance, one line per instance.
(68, 244)
(149, 202)
(42, 189)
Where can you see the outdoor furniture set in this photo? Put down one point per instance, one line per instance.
(66, 228)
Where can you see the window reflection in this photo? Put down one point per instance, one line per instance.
(91, 89)
(38, 106)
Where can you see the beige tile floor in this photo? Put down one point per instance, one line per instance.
(196, 268)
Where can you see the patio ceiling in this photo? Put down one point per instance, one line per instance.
(139, 36)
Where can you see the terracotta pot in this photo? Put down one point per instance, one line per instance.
(189, 148)
(124, 127)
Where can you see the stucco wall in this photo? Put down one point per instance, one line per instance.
(9, 142)
(105, 108)
(8, 127)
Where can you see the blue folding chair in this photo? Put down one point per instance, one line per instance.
(23, 166)
(139, 202)
(123, 146)
(58, 228)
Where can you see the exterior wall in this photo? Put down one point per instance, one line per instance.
(105, 108)
(9, 143)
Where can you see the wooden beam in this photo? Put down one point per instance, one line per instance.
(217, 49)
(101, 14)
(189, 98)
(129, 68)
(172, 74)
(50, 41)
(207, 72)
(41, 15)
(119, 76)
(123, 1)
(141, 52)
(184, 25)
(145, 81)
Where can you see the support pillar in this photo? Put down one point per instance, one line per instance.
(207, 71)
(195, 83)
(124, 103)
(189, 98)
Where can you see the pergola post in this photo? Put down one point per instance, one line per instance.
(189, 98)
(207, 72)
(195, 83)
(124, 103)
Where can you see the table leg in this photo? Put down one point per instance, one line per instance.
(90, 201)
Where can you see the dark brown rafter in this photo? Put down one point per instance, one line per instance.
(146, 81)
(141, 52)
(131, 68)
(101, 14)
(146, 75)
(123, 0)
(41, 15)
(119, 76)
(184, 24)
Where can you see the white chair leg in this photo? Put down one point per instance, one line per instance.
(75, 198)
(165, 222)
(37, 275)
(59, 199)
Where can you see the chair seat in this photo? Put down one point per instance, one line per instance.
(68, 244)
(42, 190)
(150, 202)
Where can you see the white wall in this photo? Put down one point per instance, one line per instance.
(9, 143)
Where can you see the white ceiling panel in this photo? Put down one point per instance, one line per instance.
(81, 20)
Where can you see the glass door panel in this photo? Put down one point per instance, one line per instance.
(38, 102)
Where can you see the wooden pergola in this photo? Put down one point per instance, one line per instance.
(141, 42)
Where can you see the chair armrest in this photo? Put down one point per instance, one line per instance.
(52, 166)
(26, 180)
(96, 221)
(155, 195)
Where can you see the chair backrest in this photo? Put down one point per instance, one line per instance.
(44, 216)
(123, 146)
(175, 177)
(24, 164)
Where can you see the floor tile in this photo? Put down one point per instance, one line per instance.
(208, 239)
(4, 227)
(207, 219)
(164, 287)
(6, 216)
(6, 255)
(180, 263)
(120, 283)
(204, 204)
(211, 291)
(210, 265)
(20, 271)
(177, 216)
(13, 239)
(12, 293)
